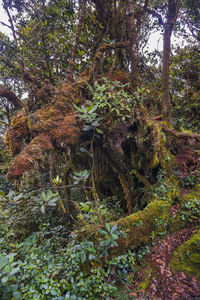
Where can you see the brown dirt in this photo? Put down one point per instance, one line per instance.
(163, 284)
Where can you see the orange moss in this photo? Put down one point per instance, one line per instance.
(22, 162)
(28, 158)
(119, 76)
(66, 131)
(53, 123)
(17, 131)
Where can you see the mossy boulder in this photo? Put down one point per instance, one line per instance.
(187, 257)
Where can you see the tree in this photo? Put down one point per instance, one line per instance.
(110, 47)
(95, 117)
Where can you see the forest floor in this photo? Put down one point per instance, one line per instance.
(163, 285)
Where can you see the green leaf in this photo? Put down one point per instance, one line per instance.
(17, 295)
(14, 271)
(11, 258)
(83, 257)
(108, 242)
(52, 202)
(90, 88)
(89, 109)
(4, 279)
(16, 198)
(114, 236)
(42, 209)
(99, 130)
(3, 261)
(53, 292)
(77, 108)
(102, 232)
(91, 256)
(113, 229)
(115, 243)
(108, 226)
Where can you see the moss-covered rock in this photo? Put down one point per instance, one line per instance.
(187, 257)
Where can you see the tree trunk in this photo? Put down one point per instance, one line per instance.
(171, 19)
(132, 35)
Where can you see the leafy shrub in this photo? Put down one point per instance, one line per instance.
(22, 214)
(190, 210)
(109, 97)
(35, 271)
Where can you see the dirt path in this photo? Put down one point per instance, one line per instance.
(163, 284)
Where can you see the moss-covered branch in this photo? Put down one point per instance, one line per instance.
(10, 96)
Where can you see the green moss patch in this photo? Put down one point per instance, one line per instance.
(187, 257)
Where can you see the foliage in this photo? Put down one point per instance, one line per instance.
(111, 235)
(47, 199)
(90, 117)
(23, 213)
(190, 210)
(162, 188)
(34, 271)
(81, 176)
(111, 97)
(100, 123)
(88, 212)
(185, 103)
(108, 98)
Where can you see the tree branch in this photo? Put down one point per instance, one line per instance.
(4, 24)
(10, 96)
(155, 14)
(180, 134)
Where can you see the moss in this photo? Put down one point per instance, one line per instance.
(154, 161)
(55, 123)
(149, 223)
(28, 158)
(119, 76)
(138, 227)
(146, 279)
(16, 133)
(187, 257)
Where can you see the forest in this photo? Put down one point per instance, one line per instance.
(100, 150)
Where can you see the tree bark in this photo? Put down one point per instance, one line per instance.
(132, 35)
(169, 25)
(10, 96)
